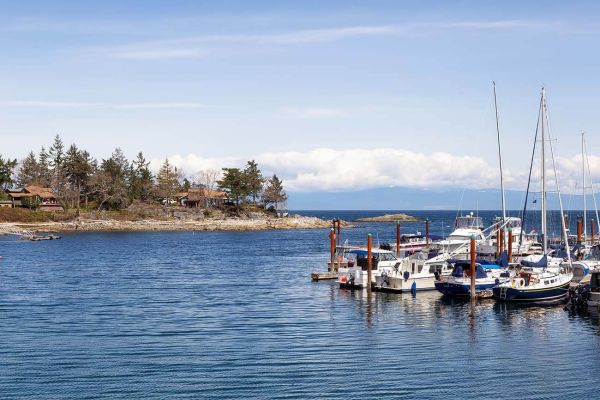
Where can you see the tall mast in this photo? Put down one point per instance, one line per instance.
(562, 215)
(500, 158)
(587, 162)
(584, 183)
(543, 166)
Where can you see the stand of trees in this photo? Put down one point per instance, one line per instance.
(78, 178)
(248, 185)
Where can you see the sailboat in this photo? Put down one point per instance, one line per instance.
(540, 281)
(588, 257)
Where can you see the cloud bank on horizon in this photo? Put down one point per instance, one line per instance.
(333, 170)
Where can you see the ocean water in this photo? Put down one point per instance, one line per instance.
(235, 315)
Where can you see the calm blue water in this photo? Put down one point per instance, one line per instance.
(234, 315)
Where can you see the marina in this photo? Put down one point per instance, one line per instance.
(187, 319)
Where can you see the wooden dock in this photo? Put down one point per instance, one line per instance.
(323, 276)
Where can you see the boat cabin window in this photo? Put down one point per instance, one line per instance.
(363, 262)
(386, 257)
(435, 268)
(468, 221)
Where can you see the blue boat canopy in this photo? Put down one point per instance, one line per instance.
(543, 263)
(463, 265)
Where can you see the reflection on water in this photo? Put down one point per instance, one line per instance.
(152, 315)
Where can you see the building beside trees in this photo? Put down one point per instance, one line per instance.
(71, 178)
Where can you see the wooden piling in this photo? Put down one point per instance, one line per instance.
(472, 267)
(398, 239)
(579, 229)
(339, 231)
(501, 238)
(509, 244)
(369, 260)
(427, 231)
(332, 249)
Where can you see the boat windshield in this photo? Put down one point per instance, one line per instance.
(468, 221)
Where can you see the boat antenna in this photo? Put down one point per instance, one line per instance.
(500, 156)
(537, 126)
(583, 189)
(562, 215)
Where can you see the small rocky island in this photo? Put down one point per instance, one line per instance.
(389, 218)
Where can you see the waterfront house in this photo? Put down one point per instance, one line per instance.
(202, 198)
(35, 197)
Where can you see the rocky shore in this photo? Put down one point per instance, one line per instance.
(208, 224)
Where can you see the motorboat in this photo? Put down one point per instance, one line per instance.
(354, 275)
(413, 273)
(458, 283)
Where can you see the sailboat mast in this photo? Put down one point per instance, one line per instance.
(587, 162)
(500, 158)
(583, 175)
(543, 166)
(562, 215)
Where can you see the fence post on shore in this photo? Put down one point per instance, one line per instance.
(369, 260)
(332, 250)
(592, 222)
(472, 267)
(509, 244)
(427, 231)
(398, 239)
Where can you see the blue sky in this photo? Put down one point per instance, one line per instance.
(304, 87)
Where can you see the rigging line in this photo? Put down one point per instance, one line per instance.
(499, 154)
(587, 160)
(537, 127)
(556, 178)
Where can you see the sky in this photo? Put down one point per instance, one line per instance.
(332, 96)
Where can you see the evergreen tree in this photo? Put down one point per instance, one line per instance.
(44, 165)
(274, 193)
(29, 171)
(142, 181)
(56, 159)
(168, 181)
(186, 185)
(234, 184)
(253, 180)
(77, 169)
(7, 167)
(110, 182)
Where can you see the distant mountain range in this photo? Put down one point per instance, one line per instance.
(400, 198)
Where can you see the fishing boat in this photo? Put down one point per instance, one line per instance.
(354, 275)
(465, 226)
(540, 280)
(410, 244)
(415, 272)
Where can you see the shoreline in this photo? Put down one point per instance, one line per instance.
(152, 225)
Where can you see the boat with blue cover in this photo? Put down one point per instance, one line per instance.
(458, 283)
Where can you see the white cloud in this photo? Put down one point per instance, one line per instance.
(325, 169)
(202, 45)
(72, 104)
